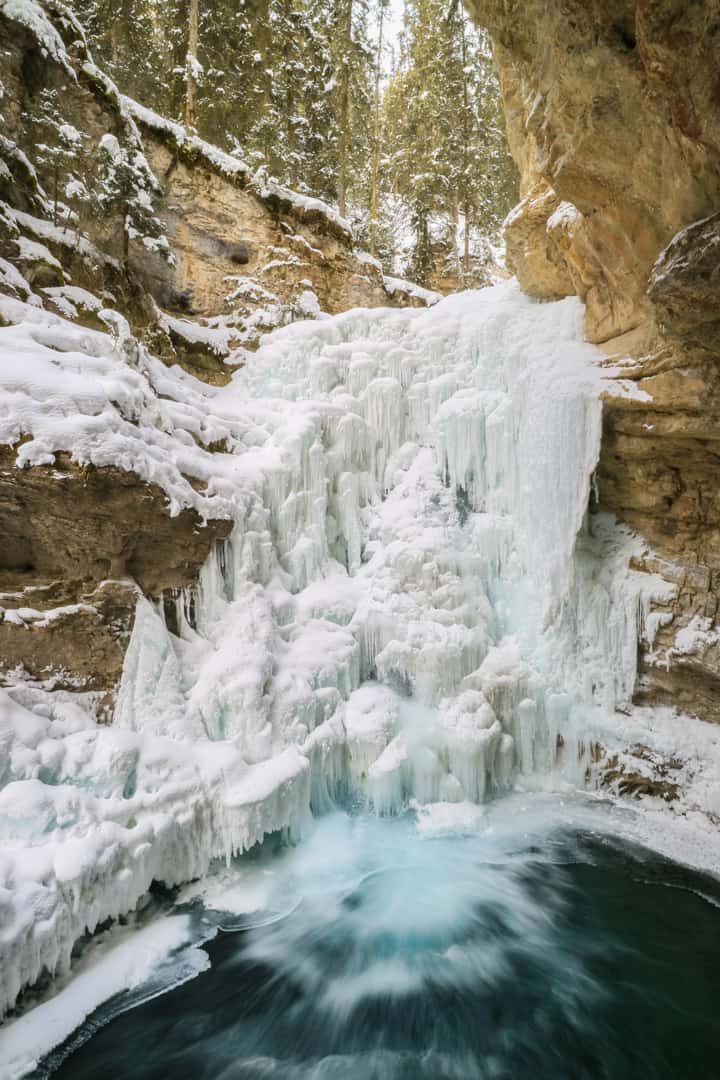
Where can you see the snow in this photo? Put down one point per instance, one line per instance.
(368, 259)
(22, 616)
(393, 285)
(304, 203)
(32, 251)
(72, 388)
(68, 298)
(307, 305)
(12, 279)
(699, 634)
(565, 214)
(215, 338)
(32, 16)
(233, 166)
(58, 234)
(126, 960)
(246, 288)
(411, 608)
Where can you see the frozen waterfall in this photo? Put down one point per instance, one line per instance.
(411, 605)
(399, 598)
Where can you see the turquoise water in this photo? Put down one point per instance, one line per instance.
(388, 953)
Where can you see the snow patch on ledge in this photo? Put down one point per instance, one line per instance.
(699, 634)
(395, 285)
(565, 214)
(233, 166)
(32, 16)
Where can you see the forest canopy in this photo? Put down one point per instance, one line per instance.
(391, 110)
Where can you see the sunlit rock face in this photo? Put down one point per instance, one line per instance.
(613, 120)
(613, 108)
(224, 235)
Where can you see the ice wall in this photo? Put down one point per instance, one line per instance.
(410, 605)
(420, 479)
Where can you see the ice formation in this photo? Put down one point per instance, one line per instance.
(409, 607)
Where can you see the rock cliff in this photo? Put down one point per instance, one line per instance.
(80, 541)
(613, 113)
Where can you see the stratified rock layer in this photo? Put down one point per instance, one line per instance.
(79, 542)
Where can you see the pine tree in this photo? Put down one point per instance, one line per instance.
(374, 207)
(419, 105)
(143, 45)
(448, 161)
(58, 150)
(193, 66)
(125, 187)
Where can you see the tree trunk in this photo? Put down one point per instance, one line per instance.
(466, 243)
(126, 241)
(344, 148)
(56, 185)
(375, 175)
(422, 247)
(191, 85)
(466, 153)
(454, 226)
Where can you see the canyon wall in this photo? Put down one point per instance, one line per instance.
(81, 541)
(613, 116)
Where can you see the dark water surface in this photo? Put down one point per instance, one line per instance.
(546, 954)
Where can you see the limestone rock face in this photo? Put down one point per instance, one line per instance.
(612, 106)
(79, 543)
(222, 234)
(77, 645)
(613, 114)
(533, 253)
(685, 285)
(73, 521)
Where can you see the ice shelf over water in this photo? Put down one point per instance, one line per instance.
(410, 605)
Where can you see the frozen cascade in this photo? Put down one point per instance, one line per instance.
(410, 606)
(401, 609)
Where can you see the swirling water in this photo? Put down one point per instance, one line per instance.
(418, 948)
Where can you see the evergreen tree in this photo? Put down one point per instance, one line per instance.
(58, 151)
(125, 187)
(374, 201)
(447, 159)
(300, 88)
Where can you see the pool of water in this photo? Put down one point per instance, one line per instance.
(435, 947)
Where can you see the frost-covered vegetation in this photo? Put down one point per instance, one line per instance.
(390, 111)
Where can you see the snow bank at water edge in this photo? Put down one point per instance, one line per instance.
(151, 958)
(90, 816)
